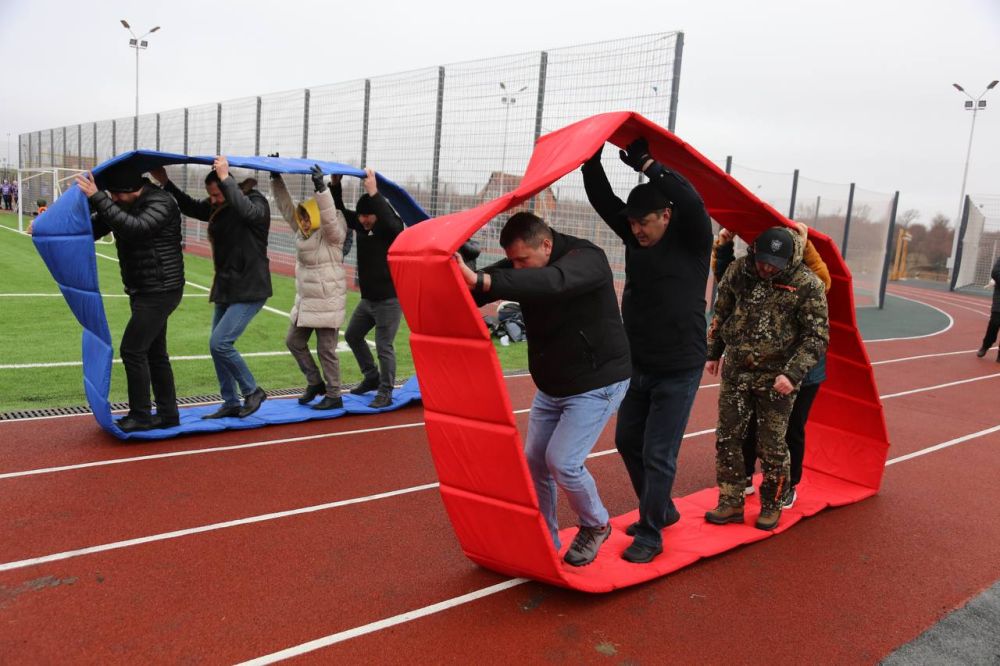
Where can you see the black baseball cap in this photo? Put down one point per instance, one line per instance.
(643, 200)
(775, 246)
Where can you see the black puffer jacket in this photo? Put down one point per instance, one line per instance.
(148, 239)
(576, 340)
(238, 230)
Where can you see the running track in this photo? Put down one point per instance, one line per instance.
(329, 541)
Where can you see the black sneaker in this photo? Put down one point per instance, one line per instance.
(367, 384)
(982, 352)
(381, 400)
(223, 412)
(641, 553)
(133, 424)
(311, 392)
(329, 402)
(631, 529)
(788, 501)
(585, 545)
(253, 402)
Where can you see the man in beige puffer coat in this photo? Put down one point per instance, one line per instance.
(320, 287)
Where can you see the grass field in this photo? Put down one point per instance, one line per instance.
(37, 327)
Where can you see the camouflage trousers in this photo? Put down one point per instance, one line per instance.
(743, 398)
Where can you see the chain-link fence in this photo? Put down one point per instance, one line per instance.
(459, 135)
(979, 242)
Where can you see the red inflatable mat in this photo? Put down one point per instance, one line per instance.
(474, 441)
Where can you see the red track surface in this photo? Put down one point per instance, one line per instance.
(846, 586)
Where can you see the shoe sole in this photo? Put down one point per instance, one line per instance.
(766, 528)
(583, 564)
(645, 560)
(736, 518)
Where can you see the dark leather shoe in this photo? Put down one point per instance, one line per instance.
(223, 412)
(721, 515)
(631, 529)
(329, 403)
(162, 421)
(132, 424)
(365, 386)
(381, 400)
(312, 391)
(253, 402)
(982, 352)
(640, 553)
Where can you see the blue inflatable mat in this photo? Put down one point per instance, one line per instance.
(278, 411)
(64, 238)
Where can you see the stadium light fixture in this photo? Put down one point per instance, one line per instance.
(974, 104)
(137, 43)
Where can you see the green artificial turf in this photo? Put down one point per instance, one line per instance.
(42, 329)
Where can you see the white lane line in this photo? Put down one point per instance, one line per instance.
(923, 356)
(951, 322)
(386, 623)
(947, 295)
(953, 304)
(371, 627)
(259, 518)
(940, 386)
(8, 566)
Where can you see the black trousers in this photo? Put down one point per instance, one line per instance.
(795, 436)
(144, 354)
(992, 329)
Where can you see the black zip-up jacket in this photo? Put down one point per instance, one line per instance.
(373, 246)
(147, 237)
(576, 341)
(238, 231)
(663, 303)
(995, 274)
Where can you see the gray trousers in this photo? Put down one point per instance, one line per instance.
(297, 341)
(384, 317)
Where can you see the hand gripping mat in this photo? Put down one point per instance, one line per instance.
(476, 447)
(63, 237)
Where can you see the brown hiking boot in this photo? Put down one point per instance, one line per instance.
(586, 544)
(721, 515)
(768, 520)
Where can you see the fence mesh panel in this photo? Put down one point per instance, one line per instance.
(981, 243)
(147, 132)
(124, 134)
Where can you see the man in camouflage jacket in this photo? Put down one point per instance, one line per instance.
(771, 321)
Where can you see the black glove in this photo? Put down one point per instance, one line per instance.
(635, 154)
(274, 174)
(469, 253)
(596, 157)
(317, 177)
(335, 189)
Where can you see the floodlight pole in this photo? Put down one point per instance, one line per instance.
(508, 101)
(137, 43)
(974, 104)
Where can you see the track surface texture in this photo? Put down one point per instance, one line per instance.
(327, 542)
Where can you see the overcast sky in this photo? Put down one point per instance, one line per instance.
(846, 90)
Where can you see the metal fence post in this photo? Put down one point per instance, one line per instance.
(795, 189)
(437, 143)
(65, 149)
(157, 131)
(27, 161)
(729, 164)
(305, 126)
(543, 66)
(256, 141)
(675, 83)
(79, 146)
(957, 264)
(888, 251)
(114, 138)
(135, 132)
(847, 222)
(364, 124)
(94, 126)
(218, 128)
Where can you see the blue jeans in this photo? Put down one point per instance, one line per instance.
(651, 424)
(561, 433)
(228, 323)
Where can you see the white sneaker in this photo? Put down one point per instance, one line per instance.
(749, 490)
(790, 498)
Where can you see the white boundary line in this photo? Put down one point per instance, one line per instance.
(949, 295)
(939, 386)
(371, 627)
(951, 322)
(922, 356)
(934, 296)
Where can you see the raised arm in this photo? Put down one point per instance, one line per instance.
(284, 200)
(246, 208)
(198, 209)
(123, 223)
(603, 199)
(331, 220)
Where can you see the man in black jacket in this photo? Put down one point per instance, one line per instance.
(238, 225)
(668, 244)
(578, 357)
(993, 326)
(376, 225)
(147, 227)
